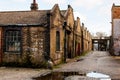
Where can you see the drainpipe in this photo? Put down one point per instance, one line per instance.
(2, 41)
(73, 43)
(65, 41)
(28, 39)
(28, 51)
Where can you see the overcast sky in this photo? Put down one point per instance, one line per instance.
(95, 14)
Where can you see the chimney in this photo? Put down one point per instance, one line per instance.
(83, 24)
(34, 6)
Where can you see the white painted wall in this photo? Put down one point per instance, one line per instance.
(116, 36)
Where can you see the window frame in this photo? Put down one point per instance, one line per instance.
(13, 29)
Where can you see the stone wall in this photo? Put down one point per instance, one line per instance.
(35, 45)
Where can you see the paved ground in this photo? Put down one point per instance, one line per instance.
(20, 73)
(95, 61)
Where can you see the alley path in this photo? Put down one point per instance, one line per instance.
(95, 61)
(100, 62)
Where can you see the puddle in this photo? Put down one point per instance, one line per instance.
(57, 75)
(98, 75)
(64, 75)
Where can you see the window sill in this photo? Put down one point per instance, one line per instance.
(16, 53)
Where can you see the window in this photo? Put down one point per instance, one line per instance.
(57, 41)
(12, 40)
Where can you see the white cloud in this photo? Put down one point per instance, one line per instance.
(19, 0)
(115, 1)
(82, 17)
(52, 2)
(87, 4)
(100, 28)
(105, 10)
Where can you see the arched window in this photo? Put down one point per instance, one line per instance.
(57, 41)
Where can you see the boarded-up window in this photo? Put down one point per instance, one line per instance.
(57, 41)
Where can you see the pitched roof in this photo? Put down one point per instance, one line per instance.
(24, 17)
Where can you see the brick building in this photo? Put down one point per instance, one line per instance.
(86, 39)
(69, 19)
(36, 36)
(78, 37)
